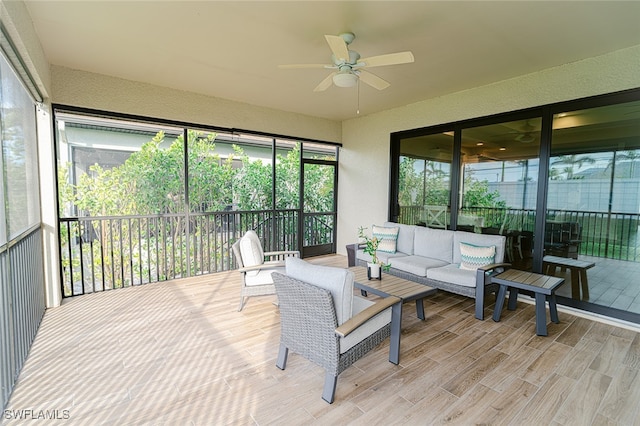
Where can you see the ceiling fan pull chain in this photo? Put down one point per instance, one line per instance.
(358, 110)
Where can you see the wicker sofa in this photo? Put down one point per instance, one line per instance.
(433, 257)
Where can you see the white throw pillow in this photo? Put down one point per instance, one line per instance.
(388, 238)
(472, 257)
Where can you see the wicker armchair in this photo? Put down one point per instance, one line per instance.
(255, 271)
(324, 322)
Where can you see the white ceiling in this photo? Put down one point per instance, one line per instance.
(231, 49)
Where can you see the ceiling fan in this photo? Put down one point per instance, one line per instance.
(477, 156)
(349, 66)
(526, 133)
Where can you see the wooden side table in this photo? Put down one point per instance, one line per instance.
(578, 270)
(543, 286)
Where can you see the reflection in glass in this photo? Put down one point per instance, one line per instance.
(424, 181)
(287, 175)
(19, 157)
(318, 151)
(593, 210)
(499, 180)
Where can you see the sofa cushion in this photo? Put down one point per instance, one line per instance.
(366, 329)
(472, 256)
(417, 265)
(382, 257)
(453, 274)
(387, 237)
(479, 240)
(404, 243)
(338, 281)
(251, 251)
(433, 243)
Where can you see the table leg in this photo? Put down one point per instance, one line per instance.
(553, 309)
(585, 284)
(394, 344)
(420, 308)
(548, 269)
(513, 299)
(363, 293)
(541, 315)
(575, 284)
(499, 302)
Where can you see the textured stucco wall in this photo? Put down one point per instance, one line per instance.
(364, 159)
(88, 90)
(17, 22)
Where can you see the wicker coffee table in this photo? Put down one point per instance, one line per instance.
(390, 285)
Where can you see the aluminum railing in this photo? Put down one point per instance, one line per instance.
(101, 253)
(21, 303)
(602, 234)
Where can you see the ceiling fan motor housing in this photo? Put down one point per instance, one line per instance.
(353, 60)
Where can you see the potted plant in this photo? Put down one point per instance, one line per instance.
(375, 267)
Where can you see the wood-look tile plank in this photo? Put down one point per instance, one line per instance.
(578, 360)
(376, 404)
(581, 407)
(544, 405)
(505, 408)
(632, 357)
(574, 332)
(516, 364)
(620, 403)
(466, 410)
(610, 358)
(543, 367)
(456, 343)
(474, 373)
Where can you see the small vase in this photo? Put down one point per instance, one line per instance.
(374, 271)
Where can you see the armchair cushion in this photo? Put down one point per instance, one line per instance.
(368, 328)
(338, 281)
(262, 276)
(251, 252)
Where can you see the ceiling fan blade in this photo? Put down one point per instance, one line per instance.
(324, 84)
(295, 66)
(373, 80)
(389, 59)
(338, 47)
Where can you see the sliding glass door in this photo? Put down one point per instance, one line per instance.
(561, 182)
(425, 180)
(593, 203)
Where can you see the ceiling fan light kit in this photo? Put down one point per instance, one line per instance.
(349, 66)
(525, 138)
(345, 79)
